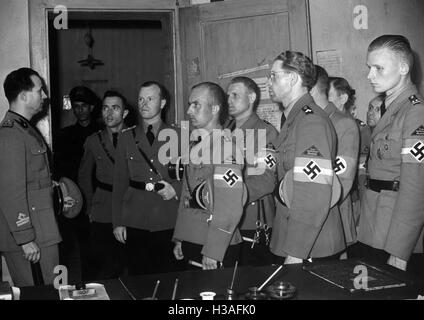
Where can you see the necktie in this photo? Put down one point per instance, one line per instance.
(115, 139)
(283, 119)
(150, 135)
(383, 108)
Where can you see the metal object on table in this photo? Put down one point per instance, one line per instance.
(231, 294)
(281, 290)
(255, 294)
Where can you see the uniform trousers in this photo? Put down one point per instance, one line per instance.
(20, 268)
(259, 255)
(192, 251)
(150, 252)
(107, 255)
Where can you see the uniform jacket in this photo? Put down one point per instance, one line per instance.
(393, 220)
(215, 228)
(259, 186)
(345, 165)
(307, 144)
(98, 159)
(365, 135)
(136, 208)
(26, 203)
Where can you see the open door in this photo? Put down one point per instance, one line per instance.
(240, 37)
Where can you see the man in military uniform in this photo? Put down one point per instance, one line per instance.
(346, 162)
(306, 146)
(392, 214)
(213, 192)
(260, 174)
(99, 158)
(28, 229)
(145, 197)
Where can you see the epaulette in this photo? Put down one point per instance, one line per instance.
(307, 110)
(414, 100)
(8, 124)
(128, 129)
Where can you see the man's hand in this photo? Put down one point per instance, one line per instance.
(31, 252)
(209, 263)
(120, 234)
(397, 263)
(292, 260)
(178, 251)
(168, 192)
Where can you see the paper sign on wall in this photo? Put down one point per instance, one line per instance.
(331, 61)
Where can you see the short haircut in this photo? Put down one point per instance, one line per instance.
(301, 64)
(114, 93)
(397, 44)
(163, 93)
(341, 85)
(217, 96)
(251, 87)
(18, 81)
(322, 80)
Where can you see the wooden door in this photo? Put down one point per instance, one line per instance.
(239, 37)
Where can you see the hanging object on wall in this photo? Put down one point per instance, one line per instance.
(90, 61)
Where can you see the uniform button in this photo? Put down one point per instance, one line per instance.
(253, 203)
(151, 170)
(151, 161)
(33, 208)
(386, 147)
(131, 158)
(151, 179)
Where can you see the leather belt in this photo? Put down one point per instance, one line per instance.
(149, 186)
(378, 185)
(104, 186)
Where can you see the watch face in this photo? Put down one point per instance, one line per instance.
(150, 187)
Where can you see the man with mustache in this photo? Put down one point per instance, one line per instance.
(99, 160)
(392, 215)
(145, 197)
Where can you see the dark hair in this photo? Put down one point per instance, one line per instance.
(84, 94)
(301, 64)
(217, 96)
(114, 93)
(163, 93)
(18, 81)
(342, 86)
(322, 84)
(251, 86)
(397, 44)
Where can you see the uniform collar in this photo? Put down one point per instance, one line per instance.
(21, 120)
(330, 109)
(251, 121)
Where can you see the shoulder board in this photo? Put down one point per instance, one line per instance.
(128, 129)
(307, 110)
(8, 124)
(414, 100)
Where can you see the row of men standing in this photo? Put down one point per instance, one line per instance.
(224, 208)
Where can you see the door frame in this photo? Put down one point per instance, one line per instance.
(39, 11)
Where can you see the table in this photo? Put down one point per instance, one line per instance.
(191, 283)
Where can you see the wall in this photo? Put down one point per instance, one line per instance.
(14, 35)
(332, 28)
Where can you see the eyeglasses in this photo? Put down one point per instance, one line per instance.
(271, 76)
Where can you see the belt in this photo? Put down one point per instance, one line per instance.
(378, 185)
(149, 186)
(104, 186)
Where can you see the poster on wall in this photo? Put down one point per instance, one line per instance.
(331, 61)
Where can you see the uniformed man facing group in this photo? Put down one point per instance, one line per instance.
(213, 193)
(260, 176)
(145, 196)
(392, 215)
(29, 233)
(106, 254)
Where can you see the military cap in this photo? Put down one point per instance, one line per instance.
(67, 198)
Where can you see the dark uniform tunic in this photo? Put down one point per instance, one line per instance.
(106, 253)
(149, 219)
(26, 203)
(307, 144)
(392, 215)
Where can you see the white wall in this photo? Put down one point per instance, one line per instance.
(332, 28)
(14, 39)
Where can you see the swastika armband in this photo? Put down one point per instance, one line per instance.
(266, 159)
(313, 170)
(226, 177)
(413, 151)
(344, 165)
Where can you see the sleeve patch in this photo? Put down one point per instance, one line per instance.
(419, 131)
(312, 152)
(23, 219)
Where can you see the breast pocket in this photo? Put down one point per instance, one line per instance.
(136, 165)
(38, 159)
